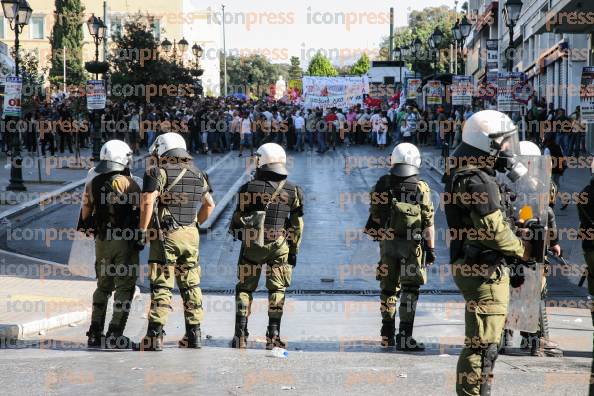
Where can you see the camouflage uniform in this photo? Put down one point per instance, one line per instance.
(401, 272)
(480, 238)
(116, 264)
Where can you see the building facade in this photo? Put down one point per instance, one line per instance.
(171, 19)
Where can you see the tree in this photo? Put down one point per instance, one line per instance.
(255, 72)
(165, 78)
(362, 65)
(32, 78)
(295, 72)
(67, 33)
(421, 24)
(321, 66)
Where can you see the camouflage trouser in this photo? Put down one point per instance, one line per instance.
(278, 276)
(116, 268)
(179, 261)
(486, 300)
(401, 275)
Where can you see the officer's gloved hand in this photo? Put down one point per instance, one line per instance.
(293, 259)
(516, 278)
(141, 240)
(430, 256)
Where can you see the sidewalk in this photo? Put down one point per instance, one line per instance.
(42, 176)
(37, 297)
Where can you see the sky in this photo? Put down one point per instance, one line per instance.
(341, 29)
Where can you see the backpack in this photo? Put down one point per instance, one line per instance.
(405, 210)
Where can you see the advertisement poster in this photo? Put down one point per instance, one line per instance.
(96, 96)
(462, 89)
(413, 88)
(587, 95)
(507, 85)
(12, 96)
(340, 92)
(433, 93)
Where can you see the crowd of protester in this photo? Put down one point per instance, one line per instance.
(216, 124)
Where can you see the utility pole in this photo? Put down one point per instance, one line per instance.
(391, 46)
(224, 53)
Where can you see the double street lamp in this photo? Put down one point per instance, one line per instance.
(461, 31)
(511, 13)
(434, 42)
(182, 44)
(97, 30)
(18, 13)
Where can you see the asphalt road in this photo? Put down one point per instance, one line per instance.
(333, 339)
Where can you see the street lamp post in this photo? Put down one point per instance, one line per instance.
(398, 54)
(511, 13)
(97, 30)
(435, 41)
(416, 48)
(461, 31)
(197, 72)
(18, 13)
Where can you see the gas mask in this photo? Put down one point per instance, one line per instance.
(508, 163)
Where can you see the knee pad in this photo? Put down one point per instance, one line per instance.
(490, 354)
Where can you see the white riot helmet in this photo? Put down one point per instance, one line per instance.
(171, 143)
(529, 148)
(487, 131)
(493, 133)
(405, 160)
(115, 156)
(272, 157)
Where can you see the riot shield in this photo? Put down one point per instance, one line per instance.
(81, 261)
(530, 212)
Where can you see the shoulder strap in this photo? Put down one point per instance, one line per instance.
(276, 192)
(176, 180)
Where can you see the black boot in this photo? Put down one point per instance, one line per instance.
(405, 341)
(507, 341)
(273, 334)
(241, 332)
(192, 338)
(549, 347)
(153, 341)
(115, 338)
(95, 336)
(387, 333)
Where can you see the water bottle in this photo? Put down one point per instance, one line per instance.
(279, 353)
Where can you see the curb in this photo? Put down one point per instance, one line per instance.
(34, 327)
(19, 331)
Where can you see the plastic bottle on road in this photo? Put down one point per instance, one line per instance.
(279, 353)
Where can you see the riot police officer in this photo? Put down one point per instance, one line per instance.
(480, 238)
(110, 212)
(176, 198)
(401, 204)
(269, 222)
